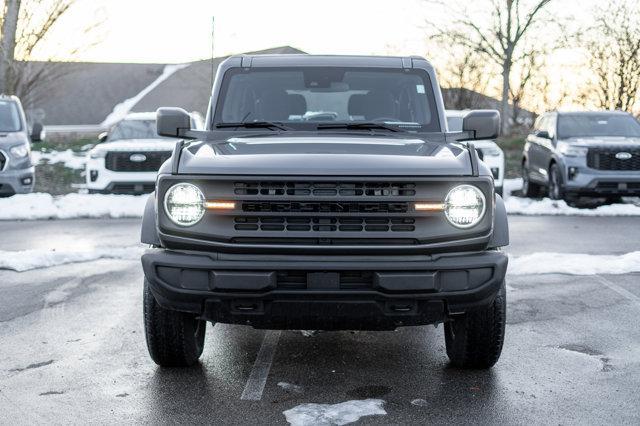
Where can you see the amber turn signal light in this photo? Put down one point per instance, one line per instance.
(220, 205)
(429, 207)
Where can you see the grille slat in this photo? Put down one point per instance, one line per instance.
(121, 161)
(321, 224)
(326, 189)
(605, 159)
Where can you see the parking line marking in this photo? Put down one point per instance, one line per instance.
(620, 290)
(260, 371)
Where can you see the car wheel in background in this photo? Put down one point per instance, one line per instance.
(529, 189)
(174, 339)
(474, 340)
(556, 191)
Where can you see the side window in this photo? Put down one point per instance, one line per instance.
(551, 125)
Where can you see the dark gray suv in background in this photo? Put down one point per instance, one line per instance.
(575, 154)
(17, 174)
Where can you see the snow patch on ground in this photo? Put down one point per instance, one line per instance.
(547, 207)
(334, 414)
(574, 264)
(122, 109)
(70, 159)
(26, 260)
(290, 387)
(45, 206)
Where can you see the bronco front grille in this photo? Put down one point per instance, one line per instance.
(149, 161)
(326, 189)
(325, 224)
(605, 159)
(323, 207)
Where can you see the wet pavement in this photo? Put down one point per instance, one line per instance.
(72, 346)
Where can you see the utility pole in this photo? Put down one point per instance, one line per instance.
(8, 44)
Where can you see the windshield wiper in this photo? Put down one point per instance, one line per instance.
(254, 125)
(358, 126)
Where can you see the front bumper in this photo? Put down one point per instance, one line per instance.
(17, 181)
(581, 180)
(100, 179)
(323, 292)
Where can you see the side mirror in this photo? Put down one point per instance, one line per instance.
(172, 121)
(482, 123)
(37, 132)
(543, 134)
(102, 137)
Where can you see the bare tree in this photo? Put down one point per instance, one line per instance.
(499, 39)
(465, 80)
(613, 45)
(26, 26)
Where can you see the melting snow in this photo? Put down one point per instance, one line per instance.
(574, 264)
(334, 414)
(68, 157)
(70, 206)
(290, 387)
(121, 110)
(26, 260)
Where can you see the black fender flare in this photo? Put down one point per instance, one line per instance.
(149, 231)
(500, 236)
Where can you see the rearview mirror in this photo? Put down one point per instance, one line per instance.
(172, 121)
(482, 123)
(102, 137)
(37, 132)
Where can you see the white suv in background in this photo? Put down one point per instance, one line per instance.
(489, 151)
(128, 157)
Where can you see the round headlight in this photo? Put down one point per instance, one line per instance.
(184, 204)
(464, 206)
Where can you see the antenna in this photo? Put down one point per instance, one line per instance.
(213, 26)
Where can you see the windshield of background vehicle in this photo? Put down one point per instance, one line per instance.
(9, 117)
(303, 97)
(591, 125)
(134, 129)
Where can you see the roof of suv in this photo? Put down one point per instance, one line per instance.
(283, 60)
(592, 112)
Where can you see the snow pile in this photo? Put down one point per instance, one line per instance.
(70, 159)
(71, 206)
(574, 264)
(548, 207)
(26, 260)
(121, 110)
(334, 414)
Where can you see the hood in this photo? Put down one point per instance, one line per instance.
(603, 141)
(137, 145)
(326, 155)
(7, 140)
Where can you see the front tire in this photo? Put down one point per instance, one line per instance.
(556, 188)
(529, 189)
(474, 340)
(174, 339)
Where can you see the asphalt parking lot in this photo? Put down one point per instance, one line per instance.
(72, 346)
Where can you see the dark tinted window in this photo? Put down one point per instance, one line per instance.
(589, 125)
(9, 117)
(305, 96)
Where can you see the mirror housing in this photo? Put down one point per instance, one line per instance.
(543, 134)
(171, 122)
(37, 132)
(482, 124)
(102, 137)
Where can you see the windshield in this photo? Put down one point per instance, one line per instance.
(454, 124)
(134, 129)
(305, 98)
(9, 117)
(593, 125)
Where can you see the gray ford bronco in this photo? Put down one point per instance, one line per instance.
(325, 193)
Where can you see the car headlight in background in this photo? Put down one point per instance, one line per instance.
(97, 153)
(184, 203)
(571, 150)
(464, 206)
(490, 152)
(20, 151)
